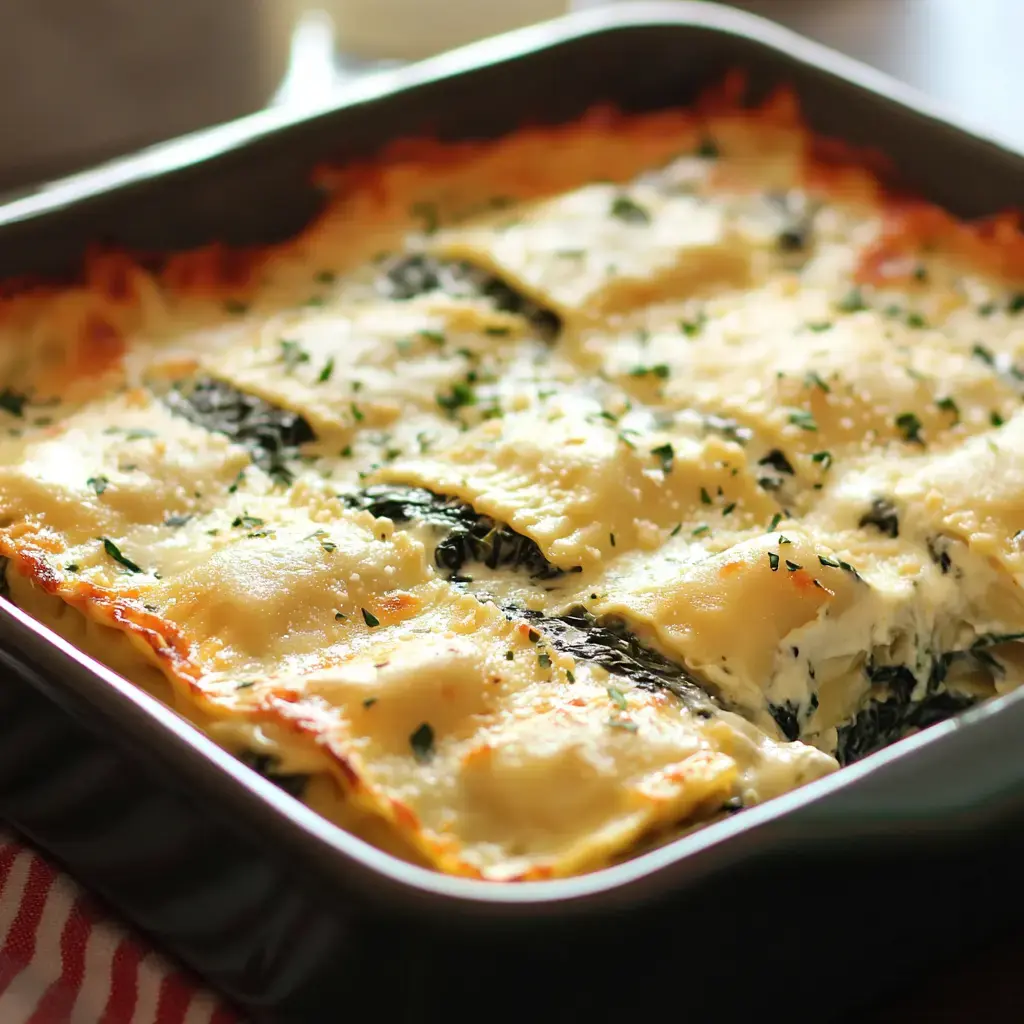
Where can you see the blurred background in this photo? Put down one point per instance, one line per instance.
(84, 81)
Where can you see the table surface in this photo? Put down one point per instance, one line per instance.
(964, 53)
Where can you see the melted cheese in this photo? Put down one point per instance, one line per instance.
(774, 450)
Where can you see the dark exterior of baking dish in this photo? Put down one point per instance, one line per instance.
(812, 903)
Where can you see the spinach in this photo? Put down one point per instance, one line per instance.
(606, 641)
(409, 276)
(883, 516)
(271, 434)
(468, 535)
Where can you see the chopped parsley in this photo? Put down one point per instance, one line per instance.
(618, 723)
(1016, 303)
(947, 404)
(247, 522)
(460, 395)
(340, 616)
(729, 508)
(701, 530)
(691, 328)
(776, 519)
(368, 702)
(828, 561)
(916, 320)
(97, 483)
(370, 619)
(659, 370)
(910, 426)
(611, 539)
(292, 354)
(236, 307)
(324, 277)
(422, 743)
(544, 660)
(72, 567)
(325, 374)
(803, 419)
(773, 561)
(625, 209)
(813, 380)
(824, 459)
(618, 697)
(570, 676)
(819, 326)
(705, 498)
(13, 402)
(778, 461)
(793, 566)
(665, 453)
(979, 351)
(852, 302)
(177, 520)
(497, 331)
(115, 553)
(434, 337)
(510, 655)
(674, 532)
(708, 148)
(996, 419)
(357, 414)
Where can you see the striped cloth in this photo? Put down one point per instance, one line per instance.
(63, 960)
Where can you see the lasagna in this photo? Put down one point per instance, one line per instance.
(548, 496)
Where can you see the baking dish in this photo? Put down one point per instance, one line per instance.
(288, 915)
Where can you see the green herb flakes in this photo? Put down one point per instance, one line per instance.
(13, 402)
(97, 483)
(852, 302)
(618, 697)
(947, 404)
(370, 619)
(325, 374)
(979, 351)
(773, 561)
(625, 209)
(460, 395)
(804, 420)
(813, 380)
(115, 553)
(910, 426)
(659, 370)
(665, 453)
(422, 743)
(292, 354)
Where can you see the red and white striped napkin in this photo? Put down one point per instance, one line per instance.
(63, 960)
